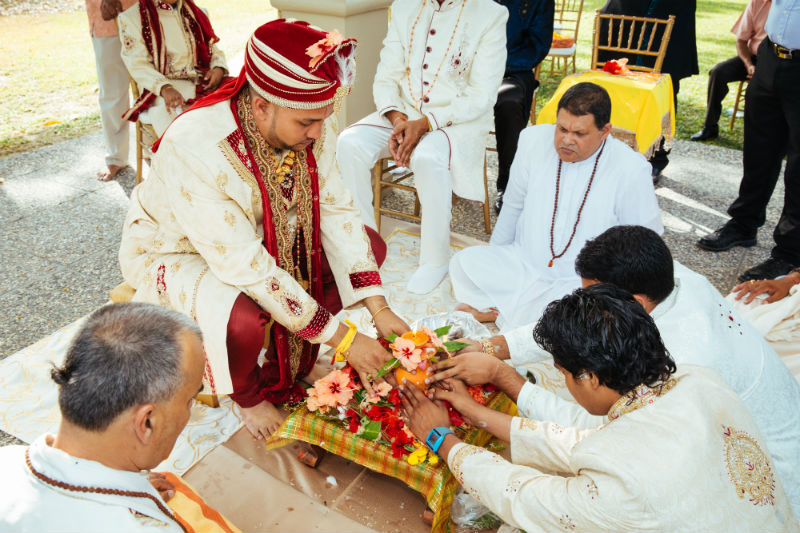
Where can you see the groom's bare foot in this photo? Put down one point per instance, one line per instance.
(262, 419)
(480, 316)
(111, 173)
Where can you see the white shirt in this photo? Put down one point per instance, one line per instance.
(29, 504)
(698, 327)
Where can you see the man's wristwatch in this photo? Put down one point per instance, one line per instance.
(436, 438)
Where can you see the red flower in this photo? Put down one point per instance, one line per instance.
(455, 417)
(383, 342)
(394, 398)
(476, 391)
(398, 450)
(353, 420)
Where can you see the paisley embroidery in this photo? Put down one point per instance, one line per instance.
(639, 397)
(748, 467)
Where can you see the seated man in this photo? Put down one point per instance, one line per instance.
(680, 452)
(170, 50)
(441, 64)
(544, 222)
(529, 34)
(125, 392)
(244, 225)
(698, 328)
(749, 31)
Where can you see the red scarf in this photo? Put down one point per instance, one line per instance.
(153, 36)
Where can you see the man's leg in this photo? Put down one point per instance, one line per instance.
(430, 164)
(511, 115)
(113, 84)
(245, 339)
(357, 150)
(787, 232)
(719, 77)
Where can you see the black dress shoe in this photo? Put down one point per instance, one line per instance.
(705, 134)
(727, 237)
(498, 202)
(769, 269)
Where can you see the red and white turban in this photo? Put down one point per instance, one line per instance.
(293, 64)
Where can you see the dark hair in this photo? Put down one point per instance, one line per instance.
(587, 98)
(603, 330)
(125, 355)
(633, 258)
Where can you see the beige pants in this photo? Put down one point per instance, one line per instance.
(112, 80)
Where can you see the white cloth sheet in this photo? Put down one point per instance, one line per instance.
(512, 272)
(691, 459)
(699, 327)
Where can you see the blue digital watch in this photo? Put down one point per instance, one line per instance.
(436, 438)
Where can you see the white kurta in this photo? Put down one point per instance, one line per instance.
(699, 327)
(181, 60)
(192, 239)
(691, 459)
(511, 273)
(455, 61)
(29, 504)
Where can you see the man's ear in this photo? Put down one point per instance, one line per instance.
(142, 425)
(644, 301)
(261, 107)
(606, 130)
(592, 381)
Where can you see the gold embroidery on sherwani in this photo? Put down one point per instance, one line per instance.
(186, 194)
(281, 201)
(458, 460)
(528, 424)
(639, 397)
(222, 181)
(229, 218)
(748, 467)
(329, 198)
(184, 246)
(347, 227)
(194, 293)
(567, 522)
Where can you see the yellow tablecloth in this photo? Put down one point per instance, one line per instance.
(436, 483)
(642, 107)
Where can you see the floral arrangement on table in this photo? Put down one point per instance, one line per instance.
(561, 41)
(375, 416)
(617, 67)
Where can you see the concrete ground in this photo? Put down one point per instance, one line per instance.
(61, 229)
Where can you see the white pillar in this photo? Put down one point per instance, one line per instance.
(364, 20)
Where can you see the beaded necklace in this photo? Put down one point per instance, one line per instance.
(580, 209)
(98, 490)
(444, 57)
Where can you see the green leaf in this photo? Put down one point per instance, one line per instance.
(391, 338)
(442, 331)
(387, 367)
(372, 430)
(454, 346)
(359, 395)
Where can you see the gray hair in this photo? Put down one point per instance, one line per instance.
(125, 355)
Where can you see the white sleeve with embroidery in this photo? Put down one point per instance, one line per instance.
(344, 239)
(527, 498)
(134, 53)
(226, 239)
(541, 404)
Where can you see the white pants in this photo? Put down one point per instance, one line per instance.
(157, 115)
(112, 80)
(359, 148)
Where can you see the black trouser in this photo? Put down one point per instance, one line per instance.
(772, 131)
(719, 77)
(511, 115)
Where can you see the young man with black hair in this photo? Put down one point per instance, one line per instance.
(569, 182)
(680, 451)
(699, 327)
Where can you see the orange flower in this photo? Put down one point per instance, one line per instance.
(332, 390)
(323, 47)
(417, 337)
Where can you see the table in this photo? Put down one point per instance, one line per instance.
(642, 106)
(435, 482)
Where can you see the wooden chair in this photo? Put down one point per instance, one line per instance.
(739, 92)
(145, 137)
(566, 21)
(631, 37)
(383, 177)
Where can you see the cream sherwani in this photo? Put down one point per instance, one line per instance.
(699, 327)
(444, 63)
(192, 239)
(689, 459)
(181, 60)
(29, 504)
(511, 273)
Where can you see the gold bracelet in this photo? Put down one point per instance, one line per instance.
(378, 312)
(344, 345)
(488, 348)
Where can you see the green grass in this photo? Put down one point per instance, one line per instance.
(715, 43)
(48, 80)
(49, 88)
